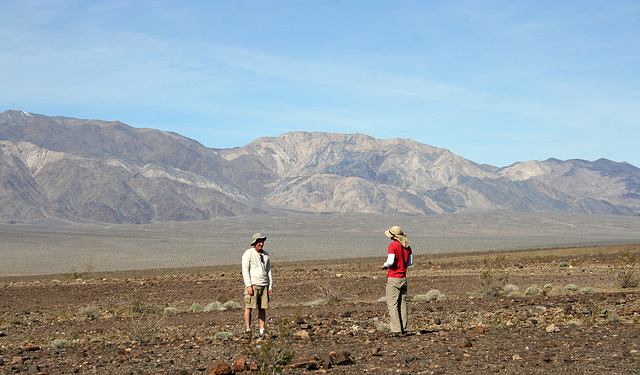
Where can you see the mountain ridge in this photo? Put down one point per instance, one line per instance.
(62, 169)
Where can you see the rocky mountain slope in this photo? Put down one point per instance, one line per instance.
(64, 169)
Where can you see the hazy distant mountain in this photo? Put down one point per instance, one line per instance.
(59, 168)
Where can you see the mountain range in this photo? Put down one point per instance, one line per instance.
(68, 170)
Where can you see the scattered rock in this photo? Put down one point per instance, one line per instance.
(240, 365)
(326, 359)
(341, 359)
(218, 368)
(306, 363)
(301, 335)
(552, 328)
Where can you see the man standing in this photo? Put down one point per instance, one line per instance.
(256, 272)
(398, 259)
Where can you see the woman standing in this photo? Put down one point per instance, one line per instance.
(398, 259)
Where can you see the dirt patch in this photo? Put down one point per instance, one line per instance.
(170, 321)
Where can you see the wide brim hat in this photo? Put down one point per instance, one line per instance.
(394, 231)
(257, 237)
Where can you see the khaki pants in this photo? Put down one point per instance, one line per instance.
(397, 303)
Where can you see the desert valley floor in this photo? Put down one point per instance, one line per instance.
(553, 311)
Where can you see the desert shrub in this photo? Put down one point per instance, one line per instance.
(273, 352)
(510, 289)
(223, 335)
(593, 308)
(64, 343)
(432, 295)
(223, 297)
(139, 304)
(586, 290)
(82, 275)
(571, 287)
(625, 268)
(613, 316)
(563, 264)
(213, 306)
(196, 307)
(142, 328)
(329, 294)
(230, 305)
(318, 302)
(90, 312)
(533, 290)
(170, 310)
(143, 318)
(61, 343)
(493, 278)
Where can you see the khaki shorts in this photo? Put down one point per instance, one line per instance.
(259, 299)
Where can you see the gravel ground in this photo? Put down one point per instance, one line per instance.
(330, 318)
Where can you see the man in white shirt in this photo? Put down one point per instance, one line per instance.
(256, 272)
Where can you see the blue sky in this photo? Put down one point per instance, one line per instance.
(493, 81)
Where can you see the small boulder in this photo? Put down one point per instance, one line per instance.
(240, 365)
(301, 335)
(218, 368)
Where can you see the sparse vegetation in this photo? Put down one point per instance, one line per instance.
(213, 306)
(196, 307)
(143, 328)
(494, 277)
(571, 287)
(143, 319)
(223, 335)
(60, 343)
(170, 310)
(224, 297)
(533, 290)
(511, 289)
(273, 352)
(123, 320)
(330, 294)
(318, 302)
(432, 295)
(626, 269)
(90, 312)
(82, 275)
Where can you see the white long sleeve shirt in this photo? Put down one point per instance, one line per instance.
(256, 271)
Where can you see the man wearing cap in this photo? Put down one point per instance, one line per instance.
(256, 272)
(398, 259)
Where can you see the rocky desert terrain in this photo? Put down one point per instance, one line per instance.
(553, 311)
